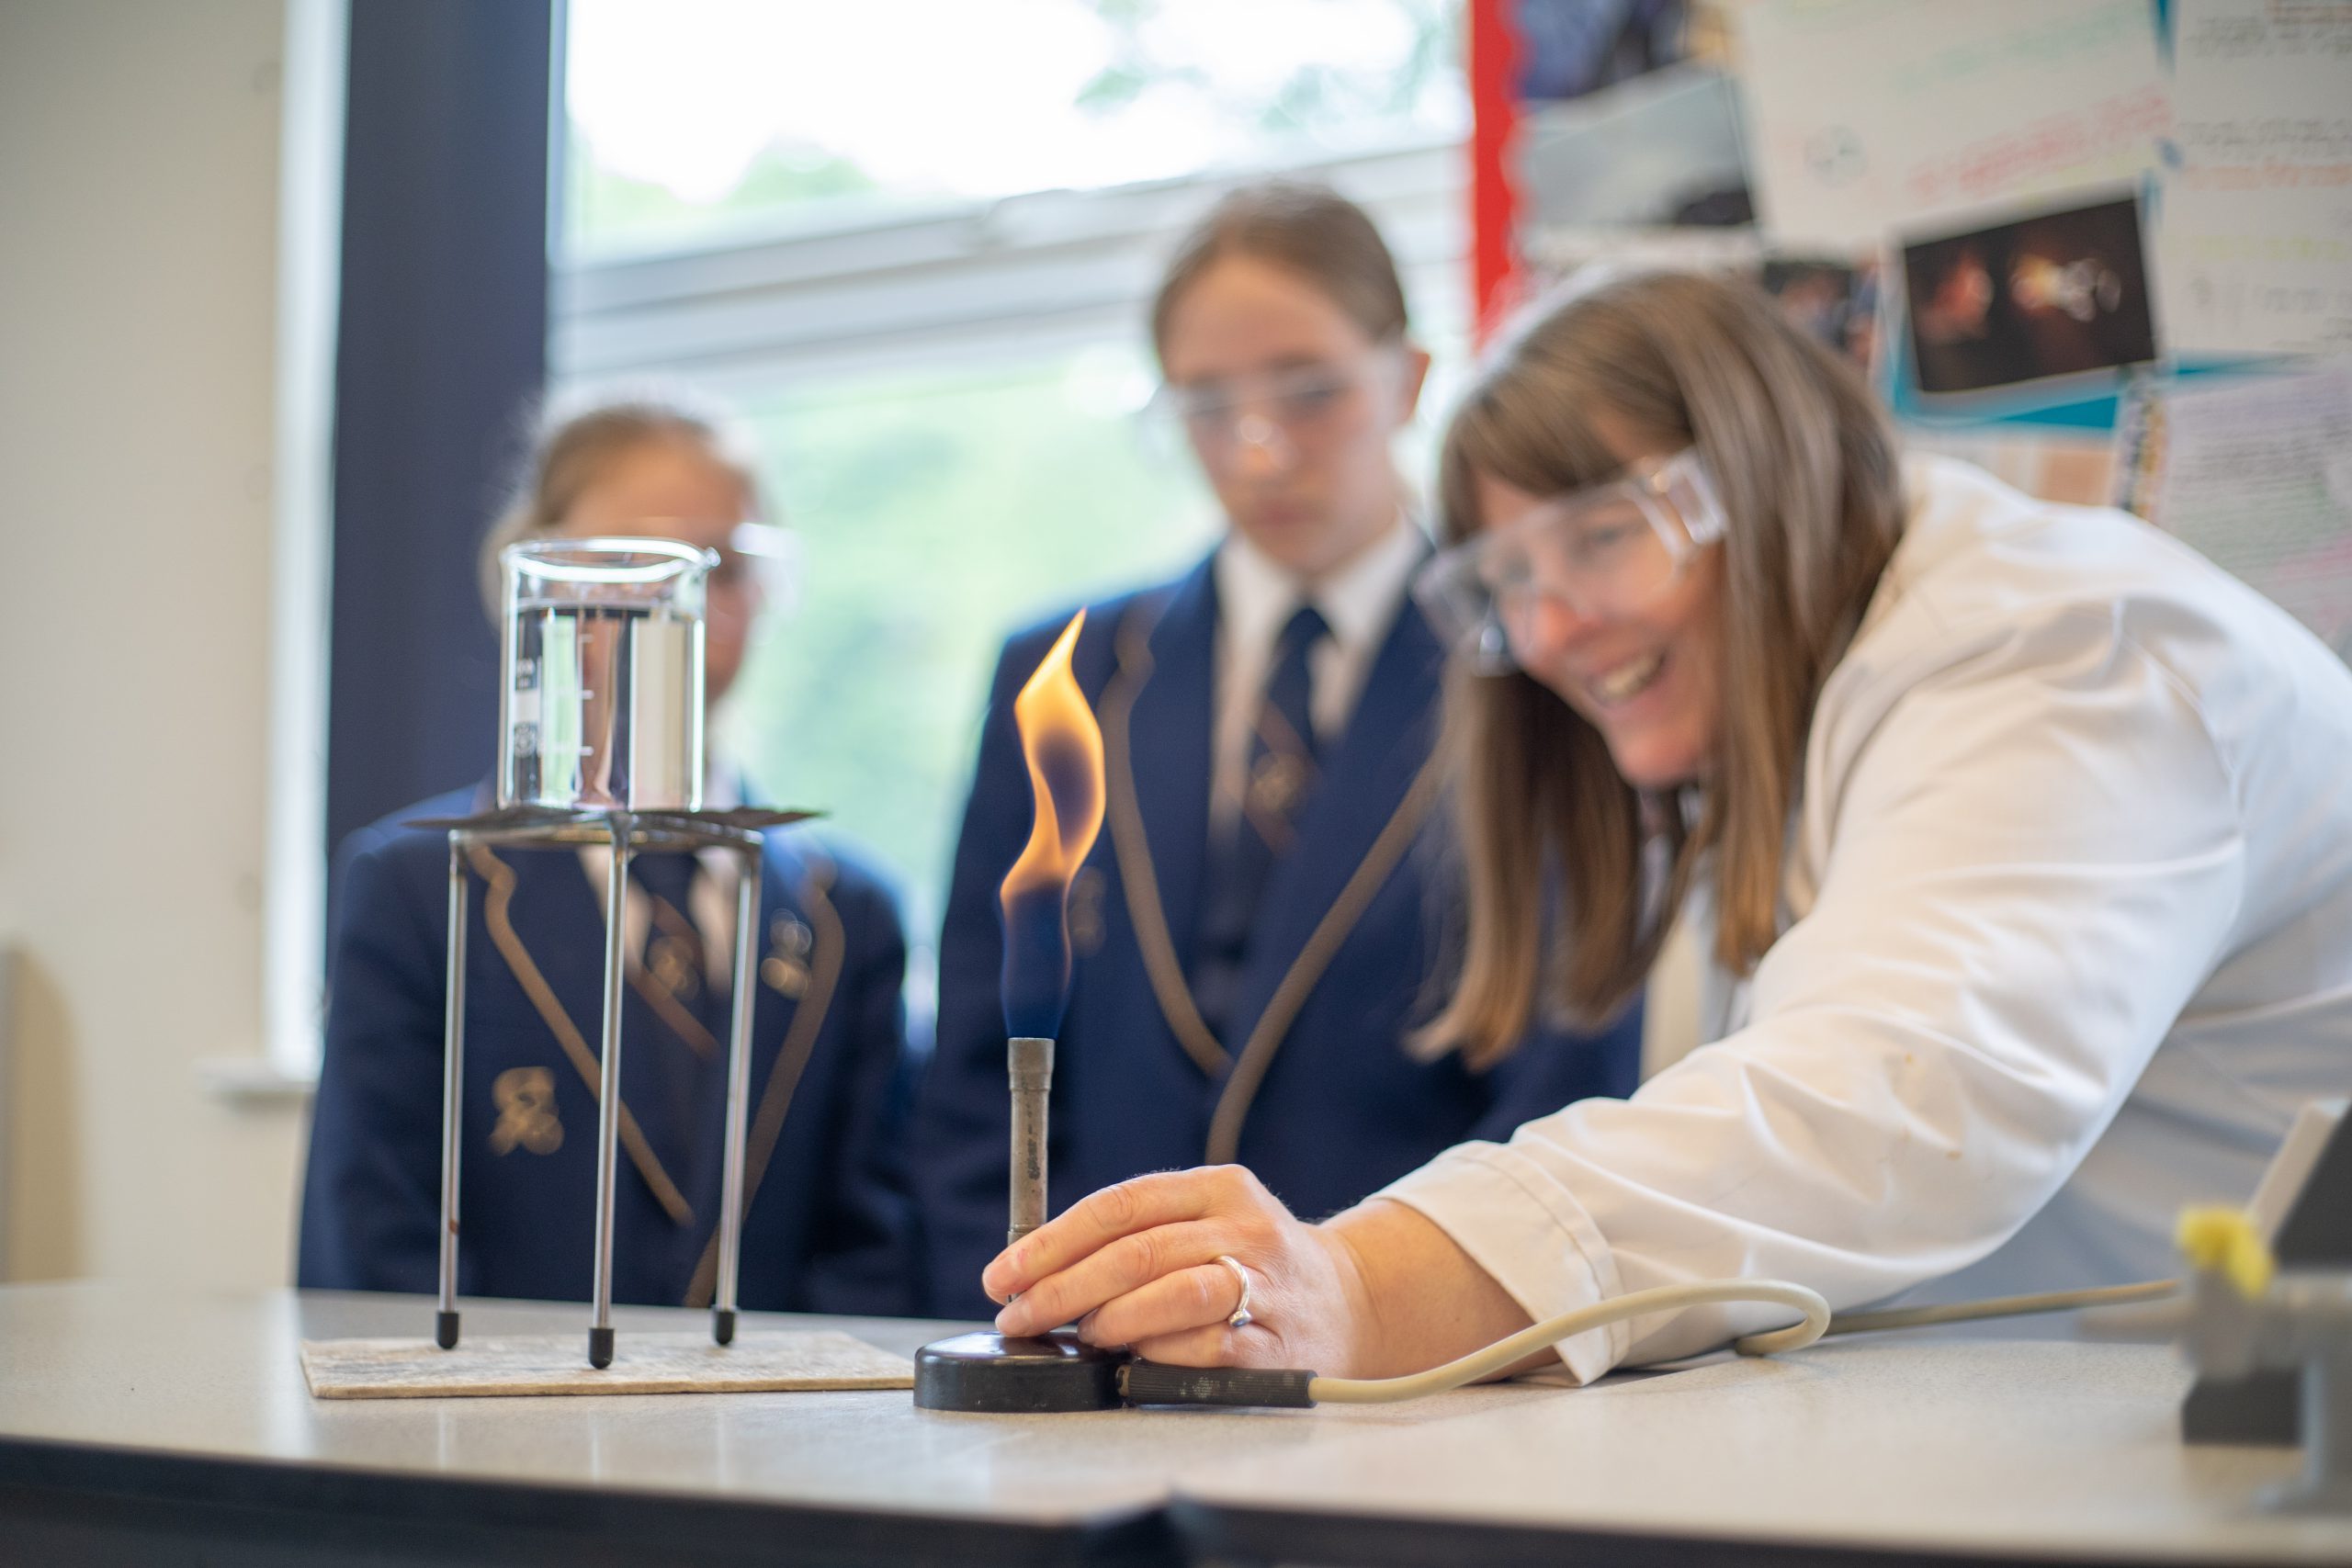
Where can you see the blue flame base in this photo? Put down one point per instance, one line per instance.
(1037, 963)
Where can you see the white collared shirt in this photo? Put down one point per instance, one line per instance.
(1255, 599)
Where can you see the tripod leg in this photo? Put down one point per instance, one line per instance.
(739, 1077)
(608, 1090)
(453, 1063)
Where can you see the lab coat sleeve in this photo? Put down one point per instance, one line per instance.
(2034, 860)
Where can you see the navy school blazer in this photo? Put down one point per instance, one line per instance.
(827, 1226)
(1316, 1090)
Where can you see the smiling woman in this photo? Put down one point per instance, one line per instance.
(2017, 828)
(1792, 481)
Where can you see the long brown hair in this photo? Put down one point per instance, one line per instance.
(1806, 471)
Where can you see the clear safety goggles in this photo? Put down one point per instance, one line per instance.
(759, 556)
(1282, 408)
(1606, 550)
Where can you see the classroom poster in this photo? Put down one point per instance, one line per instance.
(2256, 247)
(1959, 108)
(2257, 475)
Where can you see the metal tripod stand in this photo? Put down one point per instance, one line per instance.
(629, 834)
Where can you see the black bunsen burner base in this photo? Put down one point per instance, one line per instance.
(988, 1372)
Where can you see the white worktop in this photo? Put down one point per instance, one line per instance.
(1902, 1442)
(217, 1377)
(1898, 1445)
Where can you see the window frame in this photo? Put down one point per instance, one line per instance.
(955, 284)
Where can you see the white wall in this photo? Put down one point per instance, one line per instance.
(139, 177)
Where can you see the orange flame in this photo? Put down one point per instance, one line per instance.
(1064, 749)
(1063, 746)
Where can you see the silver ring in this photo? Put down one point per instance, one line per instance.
(1240, 1317)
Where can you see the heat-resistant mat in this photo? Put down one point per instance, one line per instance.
(558, 1363)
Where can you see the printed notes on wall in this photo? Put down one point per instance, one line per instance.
(2256, 217)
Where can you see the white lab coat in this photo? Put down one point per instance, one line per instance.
(2067, 938)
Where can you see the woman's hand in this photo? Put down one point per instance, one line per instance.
(1376, 1291)
(1135, 1265)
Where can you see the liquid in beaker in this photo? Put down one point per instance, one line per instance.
(601, 704)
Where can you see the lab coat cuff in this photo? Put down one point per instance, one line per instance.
(1526, 1231)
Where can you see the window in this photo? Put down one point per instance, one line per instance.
(694, 122)
(913, 244)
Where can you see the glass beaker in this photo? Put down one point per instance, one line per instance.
(601, 701)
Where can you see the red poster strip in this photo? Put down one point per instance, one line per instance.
(1493, 204)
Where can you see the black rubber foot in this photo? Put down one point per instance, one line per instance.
(445, 1330)
(600, 1347)
(722, 1324)
(988, 1372)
